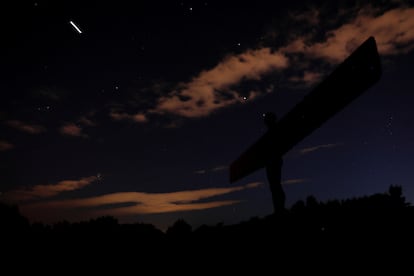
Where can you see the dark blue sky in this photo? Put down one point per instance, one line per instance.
(140, 115)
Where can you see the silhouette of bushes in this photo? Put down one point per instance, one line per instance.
(368, 224)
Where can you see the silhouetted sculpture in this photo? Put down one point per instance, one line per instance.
(350, 79)
(274, 169)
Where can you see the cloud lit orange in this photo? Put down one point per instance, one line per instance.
(72, 129)
(45, 191)
(25, 127)
(117, 116)
(138, 203)
(4, 145)
(210, 90)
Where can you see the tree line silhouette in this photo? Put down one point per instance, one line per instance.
(376, 224)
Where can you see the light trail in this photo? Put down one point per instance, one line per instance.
(76, 27)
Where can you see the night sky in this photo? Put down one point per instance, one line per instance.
(139, 112)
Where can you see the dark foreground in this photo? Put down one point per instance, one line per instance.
(375, 232)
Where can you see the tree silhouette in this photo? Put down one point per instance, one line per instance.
(11, 219)
(179, 229)
(397, 200)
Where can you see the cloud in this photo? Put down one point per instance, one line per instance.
(311, 17)
(200, 172)
(219, 168)
(71, 129)
(85, 121)
(139, 203)
(322, 40)
(318, 147)
(32, 129)
(50, 93)
(212, 89)
(307, 77)
(138, 117)
(254, 184)
(4, 145)
(215, 169)
(46, 191)
(392, 29)
(294, 181)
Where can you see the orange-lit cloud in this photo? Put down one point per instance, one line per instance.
(87, 122)
(4, 145)
(308, 78)
(72, 129)
(138, 203)
(216, 88)
(139, 117)
(393, 31)
(311, 16)
(318, 147)
(211, 89)
(28, 128)
(46, 191)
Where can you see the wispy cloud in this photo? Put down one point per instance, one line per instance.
(138, 203)
(4, 145)
(212, 89)
(138, 117)
(25, 127)
(215, 169)
(46, 191)
(318, 147)
(308, 78)
(200, 172)
(311, 16)
(71, 129)
(392, 29)
(86, 121)
(294, 181)
(50, 93)
(219, 168)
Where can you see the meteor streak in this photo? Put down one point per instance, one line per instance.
(76, 27)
